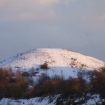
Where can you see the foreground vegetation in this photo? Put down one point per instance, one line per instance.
(14, 85)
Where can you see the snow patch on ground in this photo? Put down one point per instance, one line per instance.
(46, 101)
(32, 101)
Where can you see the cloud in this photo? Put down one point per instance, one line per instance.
(27, 9)
(23, 4)
(46, 2)
(84, 15)
(31, 16)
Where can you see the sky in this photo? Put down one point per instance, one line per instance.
(77, 25)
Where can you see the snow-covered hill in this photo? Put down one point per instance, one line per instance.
(54, 58)
(60, 62)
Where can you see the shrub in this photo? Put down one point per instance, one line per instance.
(55, 86)
(44, 66)
(98, 83)
(43, 78)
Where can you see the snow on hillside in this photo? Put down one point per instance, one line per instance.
(60, 62)
(54, 57)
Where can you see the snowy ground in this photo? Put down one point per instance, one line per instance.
(45, 101)
(32, 101)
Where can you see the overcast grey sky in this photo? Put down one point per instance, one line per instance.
(78, 25)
